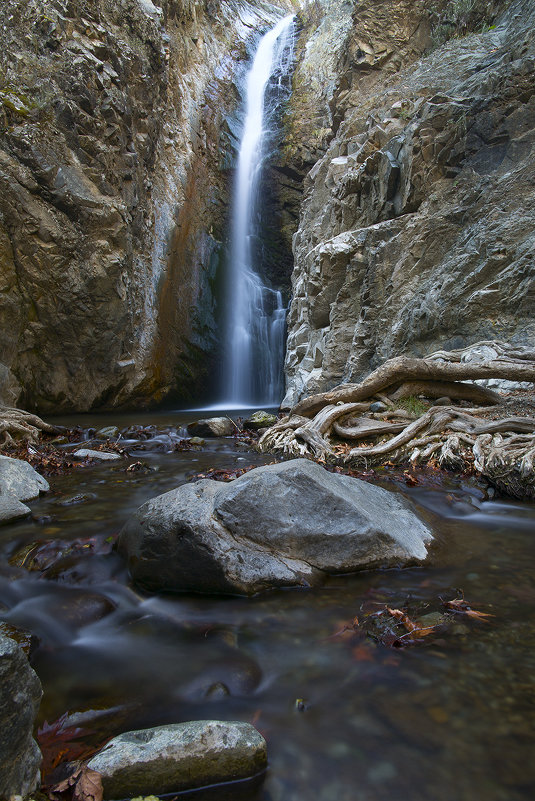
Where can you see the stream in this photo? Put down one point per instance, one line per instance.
(345, 718)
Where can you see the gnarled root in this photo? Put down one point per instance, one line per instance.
(456, 437)
(18, 425)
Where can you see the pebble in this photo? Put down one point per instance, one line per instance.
(108, 432)
(103, 456)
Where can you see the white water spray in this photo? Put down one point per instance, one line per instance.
(256, 315)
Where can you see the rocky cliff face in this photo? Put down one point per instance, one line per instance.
(416, 227)
(113, 194)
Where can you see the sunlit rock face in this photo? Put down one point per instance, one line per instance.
(416, 226)
(116, 149)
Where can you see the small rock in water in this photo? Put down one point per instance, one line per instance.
(260, 419)
(217, 691)
(212, 427)
(196, 441)
(108, 432)
(73, 500)
(180, 756)
(103, 456)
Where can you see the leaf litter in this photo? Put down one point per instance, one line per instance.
(412, 624)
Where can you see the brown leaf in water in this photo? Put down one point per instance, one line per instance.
(351, 628)
(89, 786)
(460, 606)
(86, 785)
(414, 634)
(409, 624)
(410, 479)
(63, 786)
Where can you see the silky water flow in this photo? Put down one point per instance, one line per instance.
(256, 316)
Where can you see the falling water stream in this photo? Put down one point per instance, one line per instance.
(256, 314)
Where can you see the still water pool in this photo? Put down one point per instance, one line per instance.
(346, 718)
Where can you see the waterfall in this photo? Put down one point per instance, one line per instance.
(256, 317)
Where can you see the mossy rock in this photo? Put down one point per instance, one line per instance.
(260, 419)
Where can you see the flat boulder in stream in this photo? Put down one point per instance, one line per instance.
(282, 525)
(179, 757)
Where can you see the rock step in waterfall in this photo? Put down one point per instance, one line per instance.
(255, 326)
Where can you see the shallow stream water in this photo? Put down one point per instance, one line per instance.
(346, 718)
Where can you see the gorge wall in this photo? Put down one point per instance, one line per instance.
(417, 224)
(117, 128)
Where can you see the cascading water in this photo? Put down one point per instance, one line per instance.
(255, 329)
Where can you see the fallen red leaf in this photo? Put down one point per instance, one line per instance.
(55, 741)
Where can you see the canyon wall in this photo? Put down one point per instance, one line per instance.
(403, 179)
(417, 223)
(117, 129)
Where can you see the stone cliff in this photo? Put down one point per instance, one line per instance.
(417, 222)
(116, 138)
(403, 177)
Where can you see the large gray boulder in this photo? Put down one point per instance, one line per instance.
(281, 525)
(20, 695)
(179, 756)
(18, 482)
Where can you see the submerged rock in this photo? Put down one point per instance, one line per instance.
(276, 526)
(212, 427)
(18, 482)
(179, 756)
(20, 695)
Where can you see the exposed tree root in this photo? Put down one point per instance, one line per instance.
(390, 375)
(452, 436)
(17, 425)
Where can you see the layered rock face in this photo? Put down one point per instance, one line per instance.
(416, 229)
(113, 194)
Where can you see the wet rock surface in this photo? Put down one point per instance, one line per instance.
(259, 420)
(102, 456)
(281, 525)
(415, 228)
(212, 427)
(18, 482)
(20, 694)
(179, 756)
